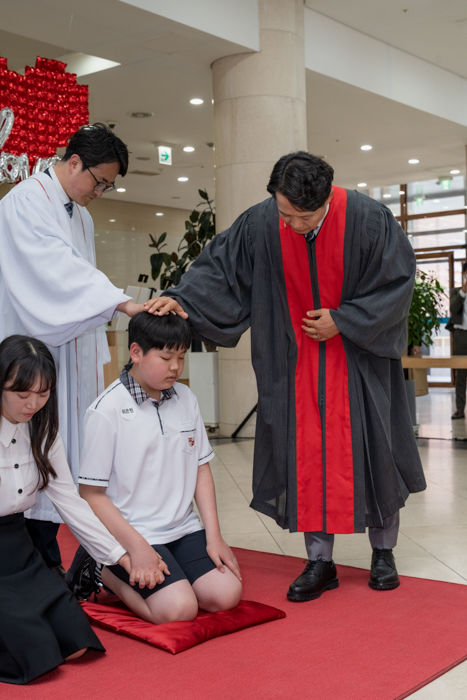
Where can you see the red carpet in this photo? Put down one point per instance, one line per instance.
(351, 644)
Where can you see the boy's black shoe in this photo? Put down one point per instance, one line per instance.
(383, 574)
(317, 577)
(81, 576)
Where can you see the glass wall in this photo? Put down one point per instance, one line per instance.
(423, 208)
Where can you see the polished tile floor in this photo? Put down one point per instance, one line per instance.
(433, 535)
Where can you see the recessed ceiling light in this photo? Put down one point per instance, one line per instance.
(112, 221)
(159, 213)
(414, 161)
(436, 201)
(401, 192)
(189, 149)
(196, 101)
(361, 184)
(141, 115)
(121, 189)
(386, 196)
(366, 148)
(454, 172)
(182, 179)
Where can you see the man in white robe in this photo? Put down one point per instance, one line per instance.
(50, 287)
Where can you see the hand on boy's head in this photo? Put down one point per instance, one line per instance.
(220, 553)
(164, 305)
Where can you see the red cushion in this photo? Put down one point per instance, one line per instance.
(178, 636)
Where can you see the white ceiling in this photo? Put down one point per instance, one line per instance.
(164, 64)
(342, 118)
(435, 30)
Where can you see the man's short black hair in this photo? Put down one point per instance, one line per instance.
(159, 332)
(464, 267)
(305, 180)
(96, 144)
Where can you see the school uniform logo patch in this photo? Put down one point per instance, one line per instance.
(188, 435)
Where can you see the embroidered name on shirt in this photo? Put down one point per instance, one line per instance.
(128, 412)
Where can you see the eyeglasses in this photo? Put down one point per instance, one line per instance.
(101, 186)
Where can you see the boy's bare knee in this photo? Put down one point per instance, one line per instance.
(176, 611)
(224, 598)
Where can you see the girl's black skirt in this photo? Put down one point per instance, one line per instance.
(41, 622)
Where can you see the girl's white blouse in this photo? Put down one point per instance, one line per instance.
(19, 485)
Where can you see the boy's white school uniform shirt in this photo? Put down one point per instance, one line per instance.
(50, 289)
(146, 455)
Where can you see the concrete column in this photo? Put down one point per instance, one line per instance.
(259, 115)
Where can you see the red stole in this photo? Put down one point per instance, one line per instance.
(337, 501)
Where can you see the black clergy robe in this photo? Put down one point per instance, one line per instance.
(334, 448)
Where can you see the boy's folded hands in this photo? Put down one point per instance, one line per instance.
(147, 567)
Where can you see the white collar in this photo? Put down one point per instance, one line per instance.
(61, 192)
(8, 431)
(316, 230)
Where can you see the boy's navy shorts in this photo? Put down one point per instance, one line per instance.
(186, 558)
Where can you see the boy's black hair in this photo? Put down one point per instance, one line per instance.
(464, 267)
(96, 144)
(159, 332)
(305, 180)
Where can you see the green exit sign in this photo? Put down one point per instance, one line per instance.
(165, 155)
(445, 184)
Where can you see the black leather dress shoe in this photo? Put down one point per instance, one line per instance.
(383, 574)
(317, 577)
(458, 414)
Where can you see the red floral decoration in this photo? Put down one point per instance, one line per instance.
(48, 104)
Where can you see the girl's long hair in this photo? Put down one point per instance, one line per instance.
(23, 361)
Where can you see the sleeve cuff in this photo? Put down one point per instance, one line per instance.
(207, 458)
(114, 555)
(463, 294)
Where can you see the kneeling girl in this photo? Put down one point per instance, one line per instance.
(41, 623)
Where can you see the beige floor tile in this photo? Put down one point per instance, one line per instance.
(234, 500)
(439, 541)
(449, 512)
(450, 686)
(427, 567)
(271, 524)
(291, 543)
(238, 522)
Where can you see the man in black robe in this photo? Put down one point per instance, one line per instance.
(324, 278)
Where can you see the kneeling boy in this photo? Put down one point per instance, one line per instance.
(145, 457)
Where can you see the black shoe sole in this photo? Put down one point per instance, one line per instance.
(384, 586)
(302, 598)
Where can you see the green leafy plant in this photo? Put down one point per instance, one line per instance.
(200, 228)
(425, 310)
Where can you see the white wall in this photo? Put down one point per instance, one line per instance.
(335, 50)
(233, 20)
